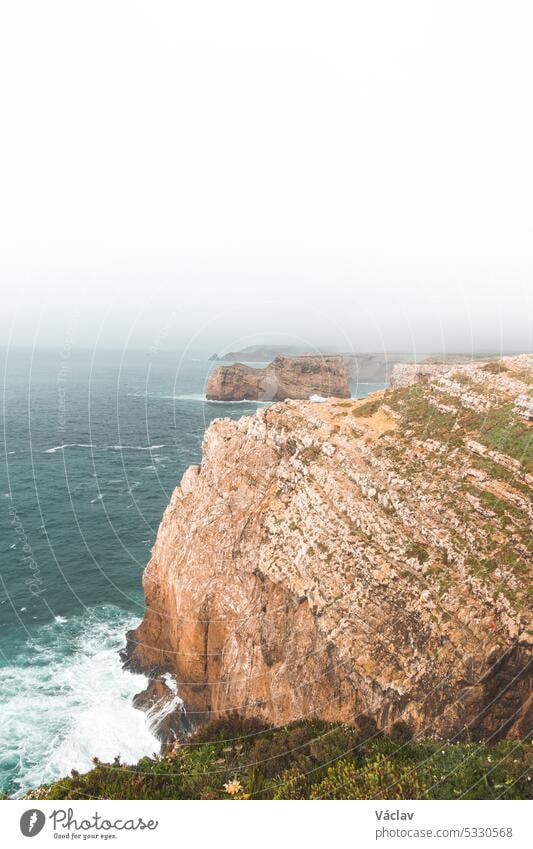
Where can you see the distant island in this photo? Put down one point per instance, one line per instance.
(262, 353)
(285, 378)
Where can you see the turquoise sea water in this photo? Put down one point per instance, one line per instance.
(94, 444)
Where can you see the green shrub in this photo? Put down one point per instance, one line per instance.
(367, 409)
(401, 731)
(293, 785)
(418, 551)
(309, 759)
(382, 778)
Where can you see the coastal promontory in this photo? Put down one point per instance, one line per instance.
(358, 561)
(286, 377)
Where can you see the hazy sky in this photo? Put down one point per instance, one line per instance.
(358, 173)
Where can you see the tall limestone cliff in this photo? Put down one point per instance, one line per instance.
(356, 560)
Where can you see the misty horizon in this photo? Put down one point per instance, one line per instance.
(338, 180)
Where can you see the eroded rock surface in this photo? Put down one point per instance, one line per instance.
(285, 377)
(355, 560)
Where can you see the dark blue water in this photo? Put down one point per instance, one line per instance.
(94, 444)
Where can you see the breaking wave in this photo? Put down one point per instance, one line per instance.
(68, 700)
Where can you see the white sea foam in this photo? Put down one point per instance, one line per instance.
(68, 700)
(163, 708)
(134, 447)
(317, 399)
(65, 445)
(170, 681)
(68, 445)
(196, 396)
(193, 396)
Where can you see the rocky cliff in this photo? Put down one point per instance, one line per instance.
(285, 377)
(373, 367)
(363, 561)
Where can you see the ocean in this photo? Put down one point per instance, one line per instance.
(94, 443)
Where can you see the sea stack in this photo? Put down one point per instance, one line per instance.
(285, 378)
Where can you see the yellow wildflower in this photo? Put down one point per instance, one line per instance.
(233, 787)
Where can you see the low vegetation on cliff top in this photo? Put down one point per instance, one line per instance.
(245, 759)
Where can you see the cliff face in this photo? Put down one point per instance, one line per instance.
(373, 367)
(354, 560)
(285, 377)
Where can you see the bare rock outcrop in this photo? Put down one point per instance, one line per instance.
(355, 560)
(286, 377)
